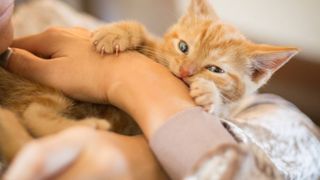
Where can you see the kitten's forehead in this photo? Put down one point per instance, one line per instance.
(215, 53)
(220, 39)
(211, 39)
(219, 33)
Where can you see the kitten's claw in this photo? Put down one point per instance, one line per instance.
(117, 47)
(102, 50)
(209, 108)
(111, 39)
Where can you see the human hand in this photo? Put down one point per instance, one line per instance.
(69, 63)
(144, 89)
(82, 153)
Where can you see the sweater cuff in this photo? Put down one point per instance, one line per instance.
(185, 138)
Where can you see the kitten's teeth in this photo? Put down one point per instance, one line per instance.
(95, 43)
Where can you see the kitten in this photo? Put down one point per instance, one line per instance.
(43, 111)
(218, 63)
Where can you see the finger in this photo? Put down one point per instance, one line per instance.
(42, 44)
(49, 156)
(26, 64)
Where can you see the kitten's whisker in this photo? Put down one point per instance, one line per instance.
(155, 55)
(160, 58)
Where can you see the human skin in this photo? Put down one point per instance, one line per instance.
(137, 163)
(127, 81)
(136, 75)
(139, 65)
(22, 61)
(83, 153)
(130, 84)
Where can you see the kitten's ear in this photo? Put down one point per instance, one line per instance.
(267, 59)
(199, 9)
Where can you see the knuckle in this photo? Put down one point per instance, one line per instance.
(53, 31)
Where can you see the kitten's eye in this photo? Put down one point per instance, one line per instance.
(215, 69)
(183, 46)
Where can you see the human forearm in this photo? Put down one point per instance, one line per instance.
(179, 133)
(148, 92)
(187, 138)
(131, 81)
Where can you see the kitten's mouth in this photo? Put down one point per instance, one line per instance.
(184, 80)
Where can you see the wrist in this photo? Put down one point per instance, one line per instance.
(134, 91)
(150, 113)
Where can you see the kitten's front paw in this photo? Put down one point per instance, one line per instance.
(110, 39)
(205, 94)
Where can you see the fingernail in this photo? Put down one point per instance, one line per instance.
(4, 57)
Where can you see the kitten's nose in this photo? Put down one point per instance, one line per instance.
(187, 71)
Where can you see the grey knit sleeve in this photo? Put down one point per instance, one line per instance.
(187, 136)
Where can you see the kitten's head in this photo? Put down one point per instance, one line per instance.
(200, 45)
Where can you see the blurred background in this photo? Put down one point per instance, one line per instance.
(285, 22)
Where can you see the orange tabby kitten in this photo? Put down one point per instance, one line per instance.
(220, 65)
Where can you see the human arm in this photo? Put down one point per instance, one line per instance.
(127, 81)
(83, 153)
(230, 161)
(144, 89)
